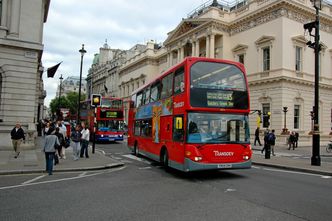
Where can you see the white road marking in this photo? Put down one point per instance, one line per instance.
(34, 179)
(80, 176)
(230, 190)
(135, 158)
(144, 168)
(294, 172)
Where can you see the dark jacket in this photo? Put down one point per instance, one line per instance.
(16, 135)
(76, 136)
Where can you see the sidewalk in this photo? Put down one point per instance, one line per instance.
(295, 160)
(33, 161)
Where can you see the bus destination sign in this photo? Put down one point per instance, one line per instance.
(220, 99)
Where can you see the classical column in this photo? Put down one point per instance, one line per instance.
(193, 51)
(178, 55)
(212, 43)
(4, 14)
(169, 59)
(207, 46)
(197, 48)
(181, 53)
(15, 17)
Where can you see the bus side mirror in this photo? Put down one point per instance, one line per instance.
(178, 123)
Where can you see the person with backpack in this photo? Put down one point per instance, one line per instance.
(272, 141)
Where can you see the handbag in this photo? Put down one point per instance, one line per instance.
(67, 142)
(56, 159)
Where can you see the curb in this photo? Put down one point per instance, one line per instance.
(296, 169)
(107, 166)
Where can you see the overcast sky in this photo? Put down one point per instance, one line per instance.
(123, 23)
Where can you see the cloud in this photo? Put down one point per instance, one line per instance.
(123, 23)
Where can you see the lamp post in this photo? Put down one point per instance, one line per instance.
(315, 159)
(285, 130)
(59, 101)
(82, 51)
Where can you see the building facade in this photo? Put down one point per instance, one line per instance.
(267, 36)
(21, 86)
(72, 84)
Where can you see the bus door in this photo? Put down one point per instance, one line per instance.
(178, 138)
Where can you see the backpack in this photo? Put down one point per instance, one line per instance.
(271, 138)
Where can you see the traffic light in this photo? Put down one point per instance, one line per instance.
(95, 100)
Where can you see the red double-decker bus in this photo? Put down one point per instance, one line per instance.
(109, 118)
(193, 117)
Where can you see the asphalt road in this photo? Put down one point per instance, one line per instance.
(143, 190)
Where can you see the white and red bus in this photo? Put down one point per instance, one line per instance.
(193, 117)
(109, 118)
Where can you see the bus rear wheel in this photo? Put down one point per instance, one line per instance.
(136, 152)
(164, 158)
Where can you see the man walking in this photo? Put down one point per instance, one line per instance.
(17, 135)
(51, 140)
(257, 137)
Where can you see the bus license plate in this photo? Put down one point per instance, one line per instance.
(224, 166)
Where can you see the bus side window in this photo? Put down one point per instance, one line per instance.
(178, 130)
(139, 99)
(179, 81)
(155, 92)
(167, 88)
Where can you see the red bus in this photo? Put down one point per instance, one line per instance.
(109, 118)
(193, 117)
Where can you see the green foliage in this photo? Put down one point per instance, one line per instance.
(69, 101)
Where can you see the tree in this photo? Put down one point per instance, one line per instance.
(69, 101)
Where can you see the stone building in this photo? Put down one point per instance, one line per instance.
(21, 86)
(267, 36)
(71, 84)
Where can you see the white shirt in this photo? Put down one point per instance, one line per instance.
(85, 134)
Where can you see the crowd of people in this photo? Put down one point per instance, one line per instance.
(270, 138)
(57, 139)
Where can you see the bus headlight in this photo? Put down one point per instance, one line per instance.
(198, 159)
(246, 157)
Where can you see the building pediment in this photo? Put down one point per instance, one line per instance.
(240, 47)
(184, 27)
(264, 39)
(300, 39)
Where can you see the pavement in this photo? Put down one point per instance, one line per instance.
(33, 161)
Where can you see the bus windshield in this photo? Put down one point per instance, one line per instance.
(218, 128)
(218, 85)
(110, 125)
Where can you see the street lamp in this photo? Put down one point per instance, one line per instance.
(285, 130)
(82, 51)
(315, 159)
(59, 101)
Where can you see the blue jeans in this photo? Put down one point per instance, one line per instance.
(84, 148)
(49, 156)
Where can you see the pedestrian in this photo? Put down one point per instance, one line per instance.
(76, 139)
(51, 141)
(296, 140)
(63, 131)
(291, 140)
(266, 132)
(17, 136)
(85, 141)
(61, 141)
(272, 141)
(46, 128)
(257, 137)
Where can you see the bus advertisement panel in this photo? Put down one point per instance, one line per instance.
(109, 119)
(193, 117)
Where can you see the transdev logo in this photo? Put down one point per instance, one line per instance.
(223, 154)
